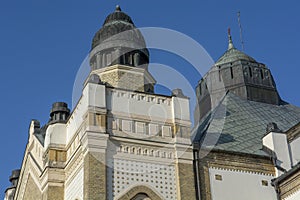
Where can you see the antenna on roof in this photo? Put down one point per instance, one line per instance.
(241, 30)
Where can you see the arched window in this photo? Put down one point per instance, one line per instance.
(146, 152)
(157, 154)
(139, 151)
(141, 196)
(126, 149)
(151, 152)
(250, 71)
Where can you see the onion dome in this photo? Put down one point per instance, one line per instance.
(232, 54)
(118, 42)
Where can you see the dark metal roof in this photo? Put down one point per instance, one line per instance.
(118, 15)
(244, 124)
(115, 23)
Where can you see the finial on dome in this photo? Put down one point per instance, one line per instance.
(230, 43)
(118, 8)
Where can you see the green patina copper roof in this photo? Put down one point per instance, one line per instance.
(232, 54)
(244, 124)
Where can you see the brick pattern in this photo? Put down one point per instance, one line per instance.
(94, 176)
(186, 180)
(54, 193)
(293, 133)
(32, 191)
(125, 80)
(290, 186)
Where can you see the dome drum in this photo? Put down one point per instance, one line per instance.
(120, 55)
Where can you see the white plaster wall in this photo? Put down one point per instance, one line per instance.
(277, 142)
(295, 151)
(8, 194)
(268, 141)
(295, 196)
(181, 108)
(74, 189)
(131, 103)
(96, 95)
(240, 185)
(55, 134)
(93, 95)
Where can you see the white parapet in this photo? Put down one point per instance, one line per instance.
(277, 142)
(55, 135)
(93, 97)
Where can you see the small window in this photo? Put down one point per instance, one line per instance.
(200, 89)
(145, 152)
(250, 71)
(151, 152)
(218, 177)
(139, 151)
(264, 183)
(231, 72)
(157, 154)
(133, 150)
(126, 149)
(261, 74)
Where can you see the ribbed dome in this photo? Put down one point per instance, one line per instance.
(115, 23)
(118, 15)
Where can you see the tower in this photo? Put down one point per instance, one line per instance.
(119, 54)
(121, 140)
(240, 74)
(235, 157)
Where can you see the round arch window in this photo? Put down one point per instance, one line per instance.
(141, 196)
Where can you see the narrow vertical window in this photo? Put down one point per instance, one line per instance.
(220, 73)
(231, 72)
(200, 89)
(261, 74)
(250, 71)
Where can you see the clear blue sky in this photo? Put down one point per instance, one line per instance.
(42, 44)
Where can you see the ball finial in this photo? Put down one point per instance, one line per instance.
(118, 8)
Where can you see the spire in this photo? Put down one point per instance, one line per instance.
(118, 8)
(230, 43)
